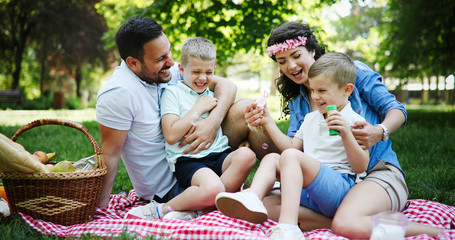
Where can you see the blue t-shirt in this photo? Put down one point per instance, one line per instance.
(370, 99)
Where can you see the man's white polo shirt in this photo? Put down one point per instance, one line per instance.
(126, 102)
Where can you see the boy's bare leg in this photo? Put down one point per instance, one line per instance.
(308, 219)
(236, 168)
(264, 178)
(205, 185)
(236, 129)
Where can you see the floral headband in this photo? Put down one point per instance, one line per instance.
(286, 45)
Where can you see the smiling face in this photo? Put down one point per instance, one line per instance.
(197, 73)
(325, 92)
(295, 63)
(155, 68)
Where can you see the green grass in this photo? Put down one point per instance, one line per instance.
(424, 147)
(426, 152)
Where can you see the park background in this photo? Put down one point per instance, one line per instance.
(58, 53)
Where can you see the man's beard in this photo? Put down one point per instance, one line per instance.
(153, 80)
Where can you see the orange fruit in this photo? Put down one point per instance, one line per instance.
(3, 193)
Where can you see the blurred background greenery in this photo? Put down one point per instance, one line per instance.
(58, 53)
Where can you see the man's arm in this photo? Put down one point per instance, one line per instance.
(174, 128)
(112, 141)
(203, 134)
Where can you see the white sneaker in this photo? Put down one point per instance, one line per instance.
(182, 215)
(283, 231)
(149, 211)
(242, 205)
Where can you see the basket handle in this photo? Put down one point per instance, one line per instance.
(99, 161)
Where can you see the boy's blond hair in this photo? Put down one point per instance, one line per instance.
(197, 47)
(339, 67)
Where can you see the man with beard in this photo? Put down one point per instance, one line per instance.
(128, 116)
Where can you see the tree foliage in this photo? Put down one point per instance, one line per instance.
(420, 38)
(358, 34)
(236, 27)
(232, 26)
(64, 36)
(17, 24)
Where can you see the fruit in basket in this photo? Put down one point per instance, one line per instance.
(63, 166)
(14, 158)
(50, 156)
(3, 193)
(41, 156)
(44, 157)
(50, 167)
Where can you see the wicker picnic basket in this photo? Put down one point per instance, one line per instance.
(63, 198)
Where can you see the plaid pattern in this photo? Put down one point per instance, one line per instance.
(214, 225)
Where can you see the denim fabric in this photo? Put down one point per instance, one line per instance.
(370, 99)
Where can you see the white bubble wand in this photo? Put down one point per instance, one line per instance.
(261, 101)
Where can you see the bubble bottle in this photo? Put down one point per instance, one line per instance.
(330, 108)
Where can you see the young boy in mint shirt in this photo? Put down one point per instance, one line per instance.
(217, 168)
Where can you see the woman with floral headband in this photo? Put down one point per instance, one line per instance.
(295, 48)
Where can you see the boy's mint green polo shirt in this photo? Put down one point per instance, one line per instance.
(179, 99)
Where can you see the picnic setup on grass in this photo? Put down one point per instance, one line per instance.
(61, 200)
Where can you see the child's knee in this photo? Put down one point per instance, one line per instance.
(290, 153)
(246, 157)
(271, 159)
(291, 156)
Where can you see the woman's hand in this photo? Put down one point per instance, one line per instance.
(366, 134)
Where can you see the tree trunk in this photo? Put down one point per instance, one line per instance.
(18, 56)
(78, 79)
(23, 31)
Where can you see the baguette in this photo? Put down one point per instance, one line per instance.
(16, 159)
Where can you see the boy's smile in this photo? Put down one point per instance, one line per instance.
(325, 92)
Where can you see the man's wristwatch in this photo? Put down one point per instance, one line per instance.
(385, 134)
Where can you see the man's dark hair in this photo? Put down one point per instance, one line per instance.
(134, 33)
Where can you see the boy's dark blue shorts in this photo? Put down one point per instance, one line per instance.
(185, 167)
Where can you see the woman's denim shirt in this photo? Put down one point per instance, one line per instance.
(370, 98)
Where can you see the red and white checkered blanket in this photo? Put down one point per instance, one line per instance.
(110, 223)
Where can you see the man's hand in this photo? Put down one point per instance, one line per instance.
(200, 135)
